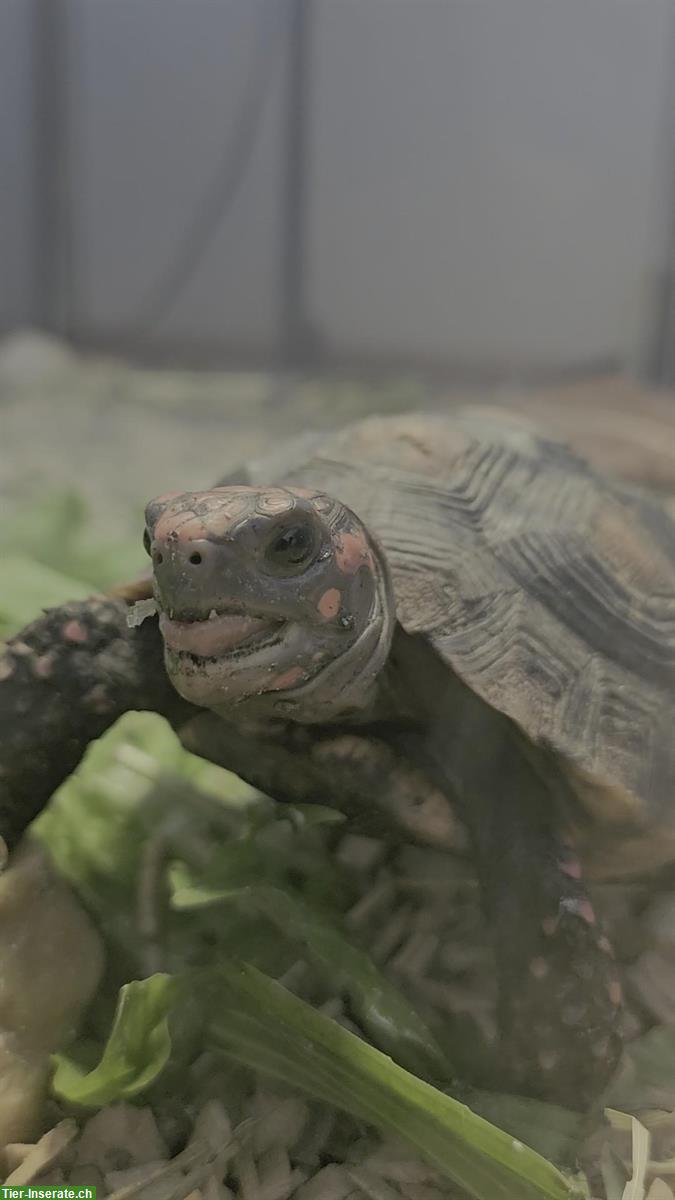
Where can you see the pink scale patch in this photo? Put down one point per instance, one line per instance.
(549, 925)
(351, 552)
(43, 666)
(586, 911)
(288, 679)
(74, 631)
(329, 604)
(571, 868)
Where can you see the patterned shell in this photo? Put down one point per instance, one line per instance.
(549, 590)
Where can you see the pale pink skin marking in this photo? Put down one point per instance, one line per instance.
(586, 912)
(571, 868)
(351, 552)
(74, 631)
(329, 604)
(43, 665)
(615, 992)
(549, 925)
(539, 968)
(606, 946)
(288, 679)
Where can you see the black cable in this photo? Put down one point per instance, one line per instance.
(294, 246)
(223, 188)
(53, 212)
(659, 357)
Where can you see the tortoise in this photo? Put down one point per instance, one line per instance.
(460, 601)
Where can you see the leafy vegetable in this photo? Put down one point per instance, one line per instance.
(28, 587)
(98, 828)
(262, 1025)
(53, 532)
(258, 1023)
(136, 1052)
(136, 792)
(388, 1017)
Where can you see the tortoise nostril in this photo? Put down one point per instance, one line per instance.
(158, 557)
(195, 558)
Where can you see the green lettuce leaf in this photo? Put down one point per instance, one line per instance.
(28, 587)
(388, 1017)
(256, 1022)
(260, 1024)
(137, 1049)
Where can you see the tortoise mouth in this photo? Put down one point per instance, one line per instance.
(224, 633)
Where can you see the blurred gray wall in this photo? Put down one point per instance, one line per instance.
(18, 292)
(469, 183)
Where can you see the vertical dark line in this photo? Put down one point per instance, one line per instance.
(660, 352)
(51, 216)
(295, 324)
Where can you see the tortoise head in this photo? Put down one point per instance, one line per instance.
(272, 600)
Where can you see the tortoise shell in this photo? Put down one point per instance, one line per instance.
(548, 589)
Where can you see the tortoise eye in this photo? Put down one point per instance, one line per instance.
(146, 540)
(294, 547)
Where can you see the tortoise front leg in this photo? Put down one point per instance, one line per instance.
(381, 792)
(559, 992)
(64, 680)
(68, 676)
